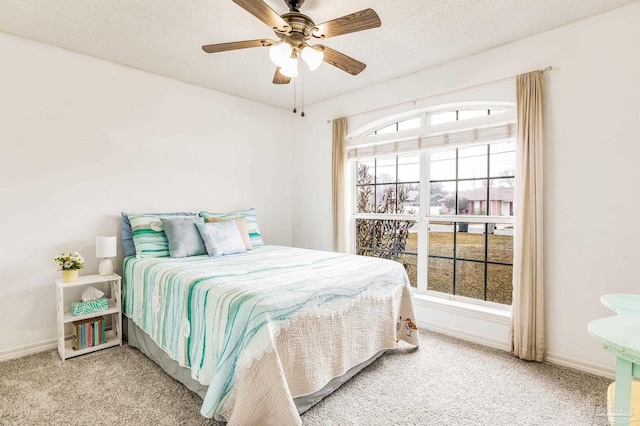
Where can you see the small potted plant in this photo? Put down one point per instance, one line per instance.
(70, 263)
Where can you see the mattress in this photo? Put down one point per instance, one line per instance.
(261, 329)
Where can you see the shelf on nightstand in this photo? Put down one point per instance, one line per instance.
(64, 315)
(69, 317)
(112, 340)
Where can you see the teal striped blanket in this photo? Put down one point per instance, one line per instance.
(269, 325)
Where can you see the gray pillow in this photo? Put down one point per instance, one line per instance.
(183, 236)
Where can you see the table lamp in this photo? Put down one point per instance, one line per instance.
(106, 247)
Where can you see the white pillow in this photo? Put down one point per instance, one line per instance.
(221, 238)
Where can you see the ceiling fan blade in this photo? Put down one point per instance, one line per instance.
(358, 21)
(279, 78)
(223, 47)
(342, 61)
(263, 12)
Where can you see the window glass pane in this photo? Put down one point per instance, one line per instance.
(364, 200)
(386, 198)
(386, 170)
(410, 263)
(472, 162)
(501, 196)
(364, 252)
(385, 236)
(409, 198)
(441, 239)
(390, 239)
(442, 117)
(472, 197)
(500, 247)
(470, 279)
(409, 168)
(436, 197)
(411, 245)
(440, 275)
(406, 236)
(412, 123)
(366, 170)
(472, 113)
(443, 198)
(387, 129)
(364, 234)
(443, 165)
(499, 283)
(470, 241)
(503, 159)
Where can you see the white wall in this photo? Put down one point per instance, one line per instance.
(592, 151)
(82, 140)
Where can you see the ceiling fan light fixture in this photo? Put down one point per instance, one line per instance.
(312, 57)
(290, 68)
(280, 54)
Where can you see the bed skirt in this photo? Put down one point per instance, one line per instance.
(139, 339)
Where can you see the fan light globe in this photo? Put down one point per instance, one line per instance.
(280, 54)
(290, 68)
(312, 57)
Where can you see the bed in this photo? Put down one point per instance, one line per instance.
(264, 335)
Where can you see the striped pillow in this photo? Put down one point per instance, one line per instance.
(251, 219)
(127, 236)
(148, 235)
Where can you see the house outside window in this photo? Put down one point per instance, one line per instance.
(458, 242)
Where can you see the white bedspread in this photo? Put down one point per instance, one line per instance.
(270, 325)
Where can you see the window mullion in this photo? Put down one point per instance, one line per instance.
(423, 222)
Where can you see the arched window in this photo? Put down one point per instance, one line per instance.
(458, 241)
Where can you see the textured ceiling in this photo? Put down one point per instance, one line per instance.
(164, 37)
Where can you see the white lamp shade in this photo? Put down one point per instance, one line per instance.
(312, 57)
(280, 54)
(290, 68)
(106, 247)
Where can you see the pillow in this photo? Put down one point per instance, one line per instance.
(241, 222)
(183, 236)
(127, 236)
(149, 238)
(250, 217)
(221, 238)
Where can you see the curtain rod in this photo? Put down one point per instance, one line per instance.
(414, 101)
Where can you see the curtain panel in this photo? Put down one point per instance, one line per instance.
(527, 320)
(338, 165)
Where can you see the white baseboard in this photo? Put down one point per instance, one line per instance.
(464, 335)
(589, 367)
(550, 357)
(22, 351)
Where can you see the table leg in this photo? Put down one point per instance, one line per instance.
(621, 407)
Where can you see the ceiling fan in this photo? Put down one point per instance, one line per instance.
(294, 30)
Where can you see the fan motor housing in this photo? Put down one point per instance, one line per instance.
(301, 26)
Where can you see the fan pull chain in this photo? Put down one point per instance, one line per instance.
(294, 96)
(302, 94)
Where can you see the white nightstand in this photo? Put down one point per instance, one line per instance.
(114, 336)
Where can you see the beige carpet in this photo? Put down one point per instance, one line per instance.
(445, 382)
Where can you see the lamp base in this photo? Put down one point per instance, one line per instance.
(105, 267)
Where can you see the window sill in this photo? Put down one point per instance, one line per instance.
(486, 313)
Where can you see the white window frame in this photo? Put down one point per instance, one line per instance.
(374, 143)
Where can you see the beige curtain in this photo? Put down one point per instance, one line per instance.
(527, 321)
(337, 171)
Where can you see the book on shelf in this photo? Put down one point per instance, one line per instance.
(88, 332)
